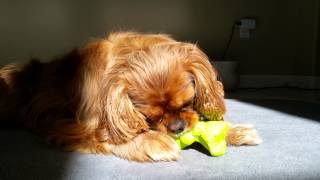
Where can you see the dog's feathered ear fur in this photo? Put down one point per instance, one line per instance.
(123, 121)
(209, 98)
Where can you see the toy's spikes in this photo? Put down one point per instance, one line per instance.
(211, 134)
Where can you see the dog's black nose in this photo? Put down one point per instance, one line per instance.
(176, 126)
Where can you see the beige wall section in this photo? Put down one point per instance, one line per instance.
(282, 44)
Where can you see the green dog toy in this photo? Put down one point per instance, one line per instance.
(211, 134)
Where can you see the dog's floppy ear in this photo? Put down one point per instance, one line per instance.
(104, 93)
(209, 98)
(123, 121)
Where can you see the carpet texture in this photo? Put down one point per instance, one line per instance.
(291, 150)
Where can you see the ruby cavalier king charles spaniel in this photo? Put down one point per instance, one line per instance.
(128, 94)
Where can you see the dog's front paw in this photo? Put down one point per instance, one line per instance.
(148, 147)
(160, 147)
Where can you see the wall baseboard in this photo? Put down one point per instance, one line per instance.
(261, 81)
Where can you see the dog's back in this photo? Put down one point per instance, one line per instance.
(16, 84)
(29, 91)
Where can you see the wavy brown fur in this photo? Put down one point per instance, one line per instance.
(116, 95)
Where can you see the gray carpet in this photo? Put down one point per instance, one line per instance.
(291, 150)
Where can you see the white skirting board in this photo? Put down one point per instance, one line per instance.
(262, 81)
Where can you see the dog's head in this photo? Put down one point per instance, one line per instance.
(161, 84)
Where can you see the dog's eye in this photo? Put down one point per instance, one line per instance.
(190, 103)
(157, 119)
(187, 106)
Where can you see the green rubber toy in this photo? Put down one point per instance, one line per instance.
(211, 134)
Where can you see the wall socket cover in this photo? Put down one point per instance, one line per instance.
(246, 26)
(248, 23)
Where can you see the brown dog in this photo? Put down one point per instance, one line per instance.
(126, 95)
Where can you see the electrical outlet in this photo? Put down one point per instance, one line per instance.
(248, 23)
(246, 26)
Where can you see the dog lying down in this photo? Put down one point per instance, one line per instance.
(127, 94)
